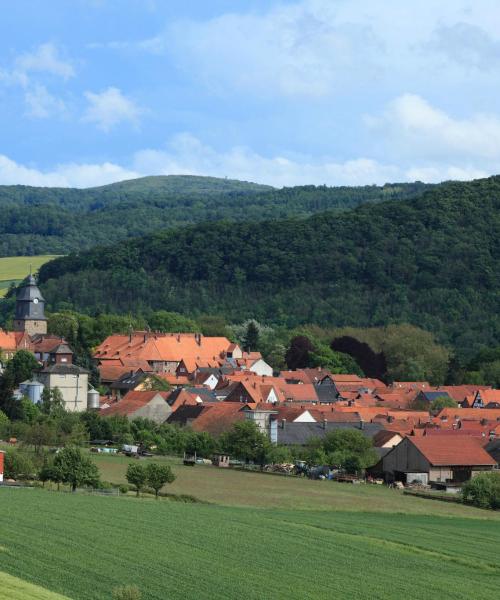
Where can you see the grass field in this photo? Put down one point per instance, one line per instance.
(84, 546)
(237, 488)
(12, 588)
(261, 537)
(15, 268)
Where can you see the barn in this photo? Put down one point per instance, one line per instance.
(440, 460)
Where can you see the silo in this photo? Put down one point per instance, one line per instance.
(33, 390)
(92, 399)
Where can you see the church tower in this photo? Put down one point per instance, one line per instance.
(30, 313)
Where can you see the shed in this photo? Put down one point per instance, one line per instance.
(436, 459)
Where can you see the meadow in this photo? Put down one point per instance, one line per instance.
(245, 489)
(15, 268)
(254, 536)
(84, 546)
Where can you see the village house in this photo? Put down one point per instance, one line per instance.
(215, 418)
(141, 404)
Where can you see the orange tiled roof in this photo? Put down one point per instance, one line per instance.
(454, 451)
(460, 392)
(194, 350)
(492, 414)
(489, 395)
(8, 341)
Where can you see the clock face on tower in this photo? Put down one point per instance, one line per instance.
(35, 301)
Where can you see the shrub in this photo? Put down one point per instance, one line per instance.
(127, 592)
(18, 465)
(123, 489)
(483, 490)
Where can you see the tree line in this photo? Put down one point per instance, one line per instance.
(430, 261)
(59, 221)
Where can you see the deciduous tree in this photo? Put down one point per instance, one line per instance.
(158, 475)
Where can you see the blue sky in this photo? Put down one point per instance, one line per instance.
(341, 92)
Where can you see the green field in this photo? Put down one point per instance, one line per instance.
(12, 588)
(237, 488)
(263, 537)
(15, 268)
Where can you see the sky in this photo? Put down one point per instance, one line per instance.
(289, 92)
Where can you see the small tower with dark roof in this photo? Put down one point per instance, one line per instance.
(30, 308)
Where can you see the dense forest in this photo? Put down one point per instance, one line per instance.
(432, 261)
(58, 220)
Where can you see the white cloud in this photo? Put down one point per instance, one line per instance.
(300, 49)
(435, 174)
(66, 175)
(109, 108)
(41, 104)
(415, 128)
(466, 44)
(187, 155)
(44, 59)
(323, 48)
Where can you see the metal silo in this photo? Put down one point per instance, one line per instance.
(32, 389)
(92, 399)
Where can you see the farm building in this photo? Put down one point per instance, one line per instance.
(71, 380)
(436, 460)
(146, 404)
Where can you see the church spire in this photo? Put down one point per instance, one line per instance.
(30, 308)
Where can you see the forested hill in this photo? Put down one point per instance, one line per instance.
(433, 261)
(59, 220)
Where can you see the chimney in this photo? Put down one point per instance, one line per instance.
(283, 423)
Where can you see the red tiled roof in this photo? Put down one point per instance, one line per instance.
(489, 395)
(219, 417)
(173, 378)
(452, 451)
(492, 414)
(132, 402)
(460, 392)
(299, 392)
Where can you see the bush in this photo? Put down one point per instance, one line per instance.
(18, 465)
(124, 489)
(4, 423)
(483, 490)
(127, 592)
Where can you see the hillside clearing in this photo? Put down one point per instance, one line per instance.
(85, 546)
(15, 268)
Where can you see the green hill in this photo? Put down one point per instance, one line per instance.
(60, 221)
(432, 261)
